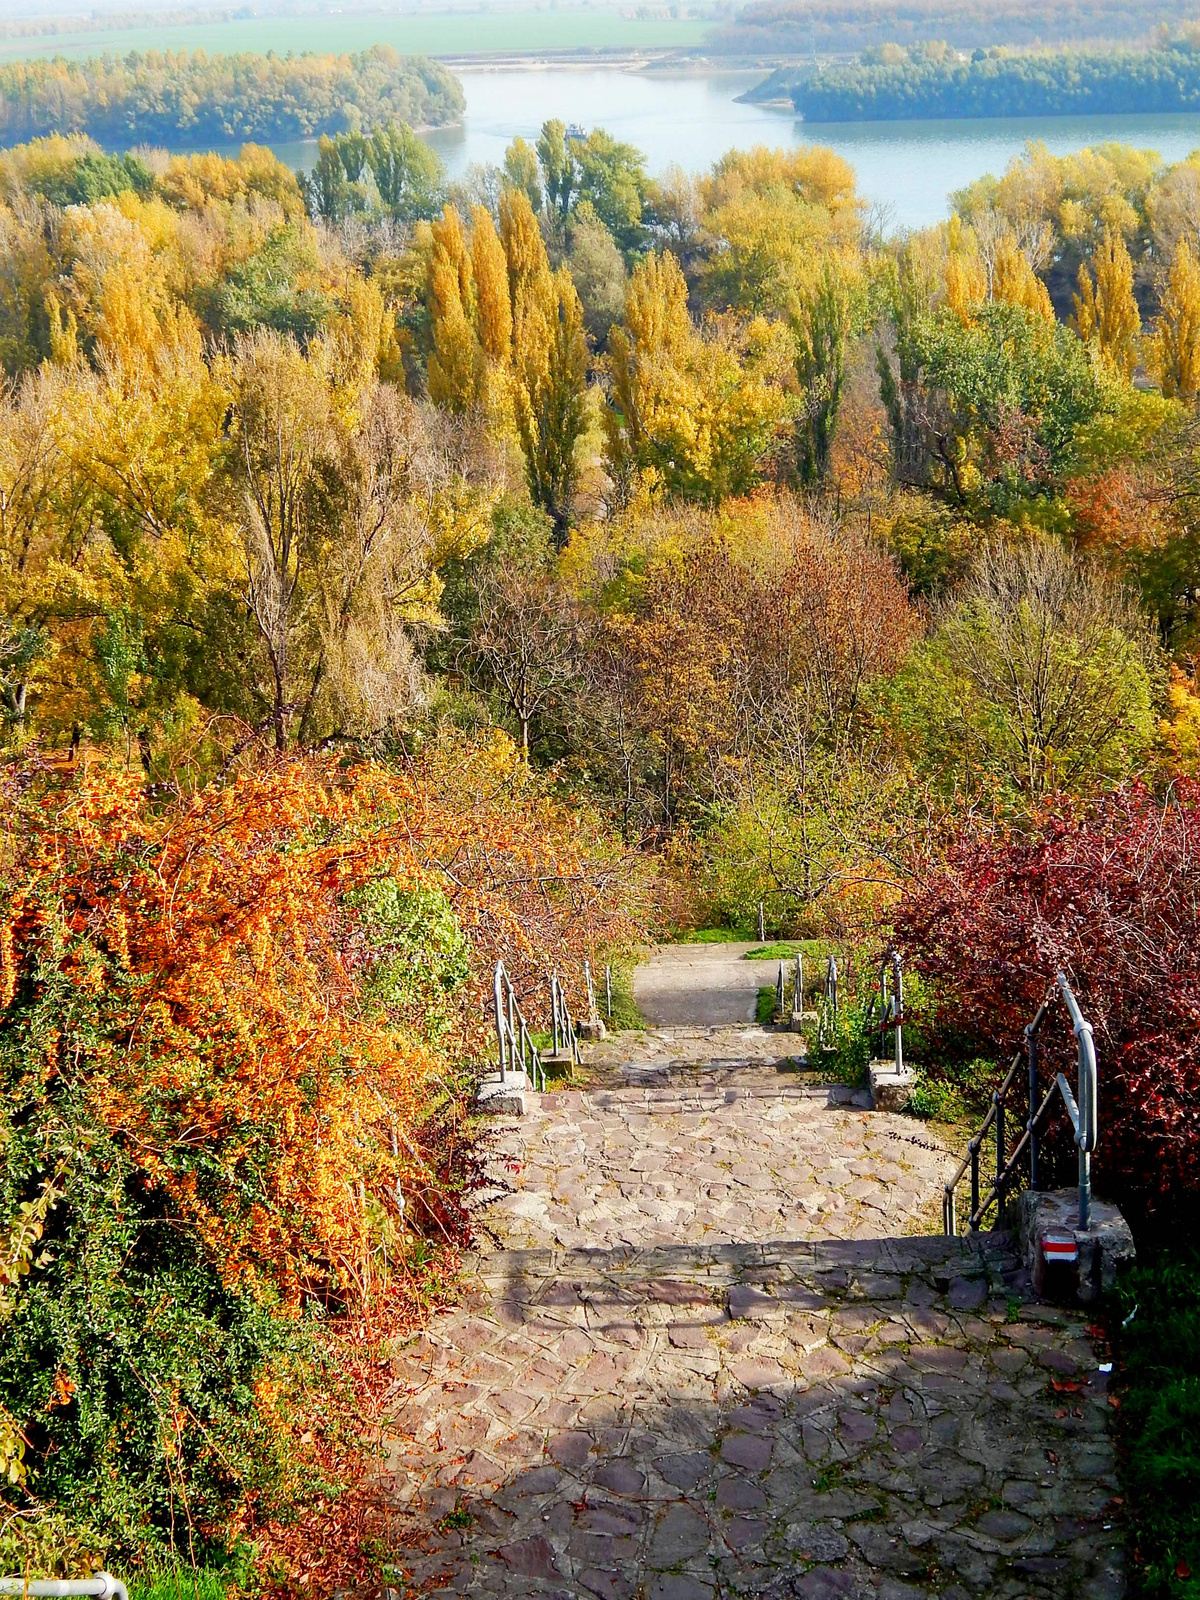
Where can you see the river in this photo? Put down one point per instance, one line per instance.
(908, 168)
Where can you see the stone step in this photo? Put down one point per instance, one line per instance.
(986, 1257)
(667, 1101)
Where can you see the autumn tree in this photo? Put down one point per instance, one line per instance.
(522, 642)
(1106, 313)
(1175, 338)
(551, 408)
(1039, 672)
(507, 336)
(344, 509)
(820, 328)
(684, 410)
(250, 1007)
(457, 373)
(1014, 280)
(549, 363)
(522, 172)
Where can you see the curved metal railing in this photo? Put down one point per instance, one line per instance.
(1081, 1109)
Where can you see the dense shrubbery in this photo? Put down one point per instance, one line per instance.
(171, 98)
(1157, 1344)
(232, 1032)
(1108, 894)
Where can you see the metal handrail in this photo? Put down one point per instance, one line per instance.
(1082, 1111)
(512, 1033)
(102, 1584)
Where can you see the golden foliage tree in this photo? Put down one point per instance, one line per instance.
(686, 412)
(507, 337)
(1175, 339)
(456, 369)
(1106, 313)
(1014, 280)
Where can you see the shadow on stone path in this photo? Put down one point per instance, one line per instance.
(633, 1402)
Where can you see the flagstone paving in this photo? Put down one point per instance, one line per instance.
(717, 1351)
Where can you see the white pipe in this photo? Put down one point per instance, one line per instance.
(103, 1585)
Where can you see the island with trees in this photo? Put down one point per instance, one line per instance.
(193, 99)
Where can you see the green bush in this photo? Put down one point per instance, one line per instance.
(954, 1091)
(764, 1010)
(1158, 1346)
(625, 1018)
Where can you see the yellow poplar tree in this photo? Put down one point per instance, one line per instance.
(493, 307)
(1015, 281)
(528, 266)
(550, 398)
(1175, 343)
(456, 365)
(685, 410)
(964, 274)
(1106, 312)
(549, 362)
(508, 333)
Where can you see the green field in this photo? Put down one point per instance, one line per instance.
(479, 33)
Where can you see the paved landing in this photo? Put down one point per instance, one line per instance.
(715, 1358)
(700, 983)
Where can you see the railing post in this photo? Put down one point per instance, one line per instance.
(779, 988)
(554, 1009)
(608, 990)
(999, 1104)
(762, 926)
(949, 1224)
(974, 1185)
(498, 995)
(884, 1002)
(798, 1003)
(898, 1004)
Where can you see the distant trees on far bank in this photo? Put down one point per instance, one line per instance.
(166, 97)
(801, 27)
(894, 84)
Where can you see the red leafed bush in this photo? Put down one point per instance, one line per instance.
(1110, 894)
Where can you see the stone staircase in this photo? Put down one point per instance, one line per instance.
(720, 1351)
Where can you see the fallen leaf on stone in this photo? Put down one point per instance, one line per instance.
(1052, 1457)
(1114, 1401)
(1182, 1570)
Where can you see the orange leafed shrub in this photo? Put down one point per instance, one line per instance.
(211, 965)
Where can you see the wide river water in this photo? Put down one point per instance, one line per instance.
(692, 118)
